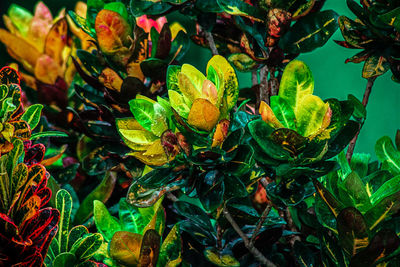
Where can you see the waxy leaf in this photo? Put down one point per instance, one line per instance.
(125, 247)
(310, 32)
(170, 251)
(64, 205)
(102, 193)
(203, 115)
(106, 224)
(388, 155)
(32, 115)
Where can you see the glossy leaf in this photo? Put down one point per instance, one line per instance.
(32, 115)
(106, 224)
(64, 205)
(310, 32)
(102, 192)
(388, 155)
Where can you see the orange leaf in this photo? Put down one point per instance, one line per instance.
(268, 116)
(114, 35)
(203, 115)
(47, 70)
(111, 79)
(209, 91)
(56, 40)
(220, 133)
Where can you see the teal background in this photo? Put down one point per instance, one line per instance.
(332, 77)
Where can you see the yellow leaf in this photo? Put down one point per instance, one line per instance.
(175, 29)
(133, 69)
(154, 149)
(268, 116)
(152, 160)
(190, 82)
(20, 49)
(203, 115)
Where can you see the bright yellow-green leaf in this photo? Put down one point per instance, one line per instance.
(20, 17)
(190, 82)
(203, 115)
(297, 82)
(152, 160)
(134, 135)
(178, 103)
(310, 115)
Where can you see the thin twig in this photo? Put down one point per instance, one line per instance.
(219, 237)
(367, 93)
(253, 250)
(260, 223)
(211, 43)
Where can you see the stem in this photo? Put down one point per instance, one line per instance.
(219, 237)
(253, 250)
(172, 197)
(264, 89)
(211, 43)
(260, 223)
(367, 93)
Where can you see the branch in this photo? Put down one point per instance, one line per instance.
(367, 93)
(263, 94)
(211, 43)
(253, 250)
(260, 223)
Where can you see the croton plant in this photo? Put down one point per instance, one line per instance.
(142, 159)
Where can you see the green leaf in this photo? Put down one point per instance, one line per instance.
(310, 115)
(210, 190)
(143, 111)
(32, 115)
(391, 18)
(64, 259)
(194, 213)
(170, 251)
(102, 193)
(296, 83)
(48, 134)
(360, 111)
(106, 224)
(219, 258)
(64, 205)
(226, 83)
(303, 254)
(190, 82)
(388, 155)
(133, 134)
(310, 32)
(118, 7)
(388, 188)
(283, 112)
(172, 77)
(242, 62)
(86, 246)
(261, 132)
(75, 234)
(355, 188)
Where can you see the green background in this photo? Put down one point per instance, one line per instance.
(333, 78)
